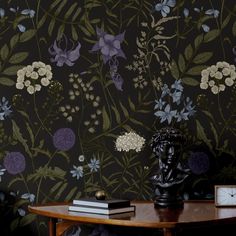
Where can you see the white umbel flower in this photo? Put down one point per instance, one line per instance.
(217, 77)
(33, 77)
(129, 141)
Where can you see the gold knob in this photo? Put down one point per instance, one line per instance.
(100, 195)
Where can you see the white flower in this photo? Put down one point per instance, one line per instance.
(30, 89)
(42, 71)
(215, 89)
(129, 141)
(45, 82)
(229, 82)
(19, 85)
(203, 85)
(217, 77)
(34, 76)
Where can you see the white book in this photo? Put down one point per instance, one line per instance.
(97, 210)
(124, 215)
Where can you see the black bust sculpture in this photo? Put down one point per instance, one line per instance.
(167, 146)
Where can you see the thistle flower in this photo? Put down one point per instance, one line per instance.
(129, 141)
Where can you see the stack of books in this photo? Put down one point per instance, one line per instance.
(106, 207)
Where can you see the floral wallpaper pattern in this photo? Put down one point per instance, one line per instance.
(75, 75)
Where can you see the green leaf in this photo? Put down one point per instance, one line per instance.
(4, 52)
(12, 70)
(60, 7)
(74, 33)
(56, 2)
(136, 122)
(125, 111)
(234, 29)
(60, 31)
(18, 57)
(51, 26)
(14, 224)
(55, 187)
(18, 136)
(198, 40)
(211, 35)
(106, 121)
(131, 104)
(70, 10)
(201, 135)
(174, 70)
(42, 21)
(76, 14)
(213, 129)
(6, 81)
(86, 32)
(196, 70)
(181, 63)
(27, 35)
(14, 40)
(60, 191)
(26, 220)
(202, 57)
(190, 81)
(70, 195)
(226, 21)
(188, 52)
(117, 114)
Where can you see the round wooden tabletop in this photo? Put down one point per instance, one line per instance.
(146, 215)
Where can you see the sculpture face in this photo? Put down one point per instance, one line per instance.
(167, 146)
(169, 153)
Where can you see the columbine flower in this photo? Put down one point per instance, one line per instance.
(94, 165)
(215, 77)
(164, 6)
(33, 77)
(109, 45)
(64, 139)
(64, 55)
(78, 172)
(14, 162)
(129, 141)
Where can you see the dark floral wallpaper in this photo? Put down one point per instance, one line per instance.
(75, 75)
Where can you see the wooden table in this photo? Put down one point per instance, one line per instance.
(194, 214)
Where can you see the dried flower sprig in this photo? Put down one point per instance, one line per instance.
(129, 141)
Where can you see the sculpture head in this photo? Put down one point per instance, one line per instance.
(166, 145)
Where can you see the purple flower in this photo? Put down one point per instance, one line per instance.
(116, 77)
(109, 45)
(198, 163)
(14, 162)
(64, 55)
(64, 139)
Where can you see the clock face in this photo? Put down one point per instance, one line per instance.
(225, 195)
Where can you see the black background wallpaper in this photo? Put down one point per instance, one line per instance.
(100, 69)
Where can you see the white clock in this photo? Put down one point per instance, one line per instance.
(225, 195)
